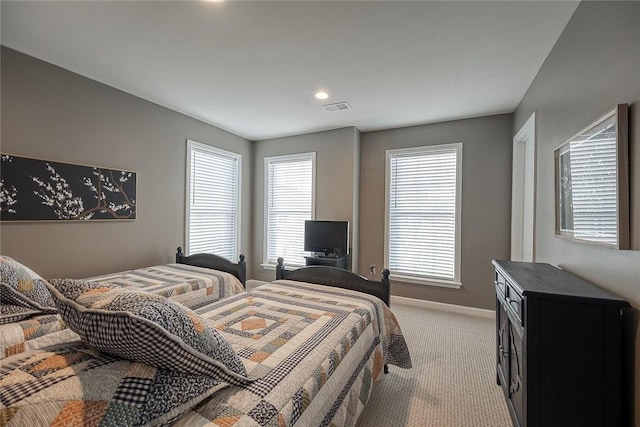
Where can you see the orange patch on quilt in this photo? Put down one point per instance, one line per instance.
(313, 316)
(281, 421)
(227, 421)
(259, 356)
(81, 413)
(377, 363)
(26, 285)
(323, 376)
(329, 314)
(14, 349)
(96, 291)
(57, 362)
(253, 323)
(197, 322)
(28, 332)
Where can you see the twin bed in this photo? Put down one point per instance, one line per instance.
(311, 344)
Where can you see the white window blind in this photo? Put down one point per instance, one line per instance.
(289, 202)
(423, 203)
(213, 208)
(590, 193)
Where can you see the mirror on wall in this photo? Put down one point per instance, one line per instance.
(592, 183)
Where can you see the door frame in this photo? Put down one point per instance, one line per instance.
(526, 135)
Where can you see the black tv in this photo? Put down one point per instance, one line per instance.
(328, 237)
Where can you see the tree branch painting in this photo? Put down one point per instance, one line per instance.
(32, 189)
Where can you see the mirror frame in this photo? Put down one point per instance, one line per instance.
(620, 112)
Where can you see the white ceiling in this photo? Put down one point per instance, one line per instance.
(252, 67)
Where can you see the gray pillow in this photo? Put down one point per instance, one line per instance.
(20, 285)
(146, 328)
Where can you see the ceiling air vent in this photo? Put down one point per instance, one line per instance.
(338, 106)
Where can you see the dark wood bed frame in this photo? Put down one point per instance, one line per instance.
(338, 277)
(215, 262)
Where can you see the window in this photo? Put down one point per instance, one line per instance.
(289, 201)
(422, 229)
(213, 207)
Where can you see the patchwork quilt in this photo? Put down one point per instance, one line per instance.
(314, 350)
(187, 284)
(36, 332)
(73, 385)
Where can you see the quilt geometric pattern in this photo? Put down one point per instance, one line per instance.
(14, 336)
(315, 352)
(189, 285)
(76, 385)
(315, 355)
(145, 327)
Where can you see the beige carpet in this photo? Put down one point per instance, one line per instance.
(453, 380)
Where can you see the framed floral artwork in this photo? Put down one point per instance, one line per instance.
(42, 190)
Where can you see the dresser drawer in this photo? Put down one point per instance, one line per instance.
(501, 284)
(514, 302)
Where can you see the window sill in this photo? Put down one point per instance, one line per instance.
(426, 281)
(268, 266)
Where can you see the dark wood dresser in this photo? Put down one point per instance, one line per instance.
(559, 348)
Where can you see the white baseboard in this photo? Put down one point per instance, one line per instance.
(472, 311)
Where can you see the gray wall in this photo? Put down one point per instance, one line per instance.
(53, 114)
(336, 160)
(486, 202)
(594, 65)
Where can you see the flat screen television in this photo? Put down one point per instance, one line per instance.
(328, 237)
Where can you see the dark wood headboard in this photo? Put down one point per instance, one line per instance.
(215, 262)
(338, 277)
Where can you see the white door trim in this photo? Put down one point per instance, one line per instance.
(523, 192)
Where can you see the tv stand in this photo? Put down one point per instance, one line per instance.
(339, 261)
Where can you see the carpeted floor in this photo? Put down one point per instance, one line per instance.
(453, 380)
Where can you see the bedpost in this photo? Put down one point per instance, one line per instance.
(280, 268)
(386, 285)
(179, 255)
(386, 289)
(387, 298)
(242, 270)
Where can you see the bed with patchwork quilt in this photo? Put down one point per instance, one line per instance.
(285, 353)
(188, 284)
(32, 322)
(315, 352)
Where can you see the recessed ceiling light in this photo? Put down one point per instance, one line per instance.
(214, 1)
(321, 95)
